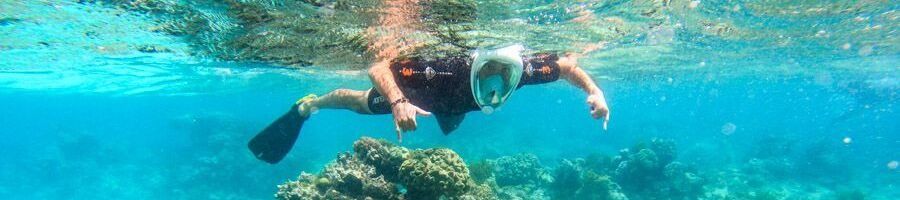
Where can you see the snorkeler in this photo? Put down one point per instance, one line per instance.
(447, 88)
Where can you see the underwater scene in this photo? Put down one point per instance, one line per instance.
(450, 99)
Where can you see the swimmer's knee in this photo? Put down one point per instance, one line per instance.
(343, 92)
(355, 100)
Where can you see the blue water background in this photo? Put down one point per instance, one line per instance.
(79, 122)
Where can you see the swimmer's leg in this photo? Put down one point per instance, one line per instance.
(276, 140)
(354, 100)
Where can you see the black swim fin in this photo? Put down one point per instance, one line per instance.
(274, 142)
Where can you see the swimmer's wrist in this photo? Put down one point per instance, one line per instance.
(399, 101)
(394, 95)
(595, 91)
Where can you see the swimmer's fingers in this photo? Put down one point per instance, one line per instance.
(399, 134)
(412, 123)
(596, 113)
(603, 113)
(405, 118)
(401, 125)
(422, 112)
(598, 106)
(411, 119)
(405, 124)
(606, 120)
(398, 128)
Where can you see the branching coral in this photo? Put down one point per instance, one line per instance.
(303, 188)
(345, 178)
(683, 181)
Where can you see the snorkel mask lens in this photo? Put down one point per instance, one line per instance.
(492, 90)
(495, 75)
(494, 86)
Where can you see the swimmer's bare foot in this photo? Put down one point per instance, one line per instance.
(304, 105)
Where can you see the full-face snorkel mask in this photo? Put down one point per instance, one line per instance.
(495, 75)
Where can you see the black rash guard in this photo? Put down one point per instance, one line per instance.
(443, 86)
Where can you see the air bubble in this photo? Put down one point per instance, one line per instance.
(866, 50)
(693, 4)
(823, 79)
(847, 140)
(728, 128)
(893, 164)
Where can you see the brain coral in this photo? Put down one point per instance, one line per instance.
(519, 169)
(432, 173)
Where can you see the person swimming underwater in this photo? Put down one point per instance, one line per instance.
(447, 88)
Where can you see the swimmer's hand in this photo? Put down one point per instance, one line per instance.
(599, 109)
(405, 118)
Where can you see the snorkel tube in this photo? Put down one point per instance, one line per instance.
(495, 75)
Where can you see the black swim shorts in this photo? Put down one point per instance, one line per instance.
(378, 103)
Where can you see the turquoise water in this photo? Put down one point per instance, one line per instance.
(801, 100)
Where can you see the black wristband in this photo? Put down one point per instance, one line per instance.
(401, 100)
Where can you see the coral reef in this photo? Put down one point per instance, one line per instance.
(520, 176)
(567, 179)
(688, 183)
(850, 195)
(384, 156)
(345, 178)
(378, 170)
(519, 169)
(648, 170)
(433, 173)
(572, 180)
(600, 187)
(644, 171)
(481, 171)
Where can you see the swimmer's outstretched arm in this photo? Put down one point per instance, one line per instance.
(404, 112)
(576, 76)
